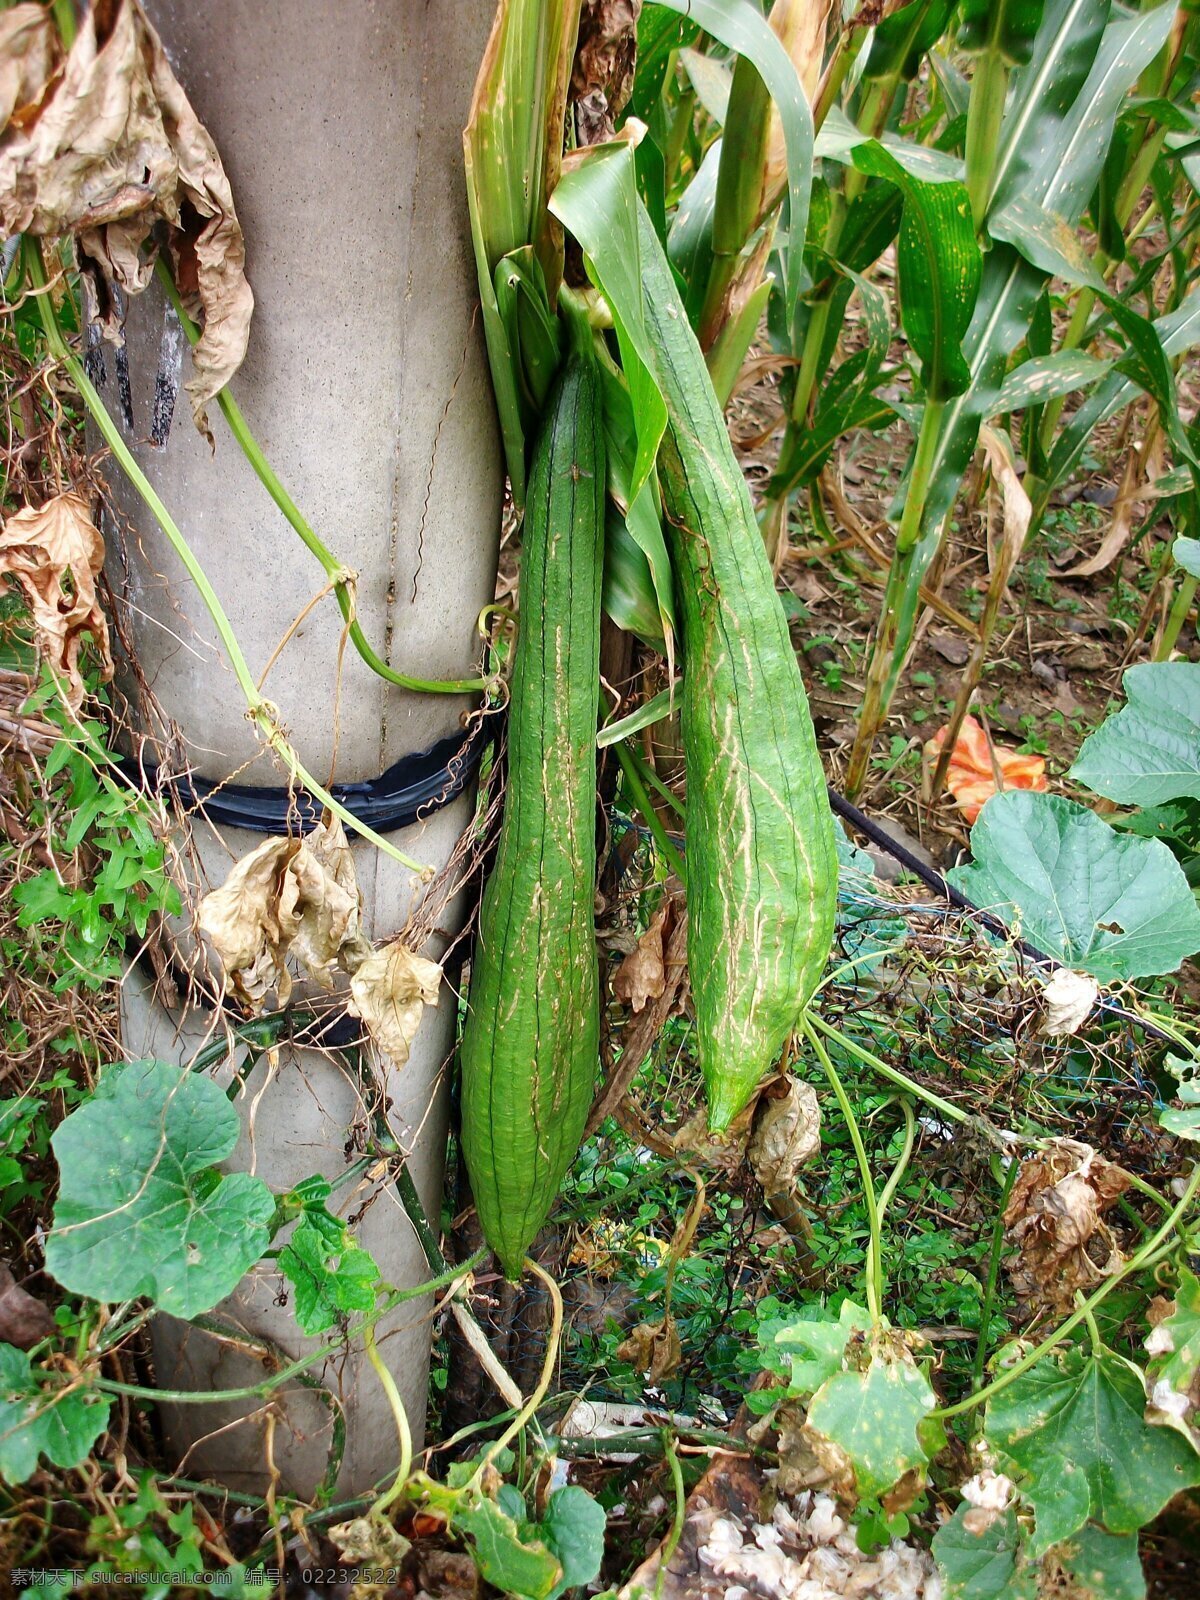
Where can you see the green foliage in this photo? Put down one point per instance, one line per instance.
(82, 926)
(538, 1560)
(55, 1423)
(1117, 907)
(331, 1274)
(1149, 752)
(1072, 1433)
(141, 1209)
(814, 1348)
(875, 1417)
(981, 1559)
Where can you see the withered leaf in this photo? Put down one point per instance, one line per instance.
(252, 920)
(55, 553)
(288, 897)
(787, 1133)
(642, 975)
(1070, 998)
(390, 990)
(28, 52)
(605, 56)
(1055, 1215)
(653, 1348)
(106, 146)
(24, 1320)
(328, 936)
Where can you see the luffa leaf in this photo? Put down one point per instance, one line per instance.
(874, 1417)
(979, 1558)
(1149, 752)
(1101, 1566)
(1075, 1423)
(60, 1425)
(141, 1210)
(815, 1349)
(1114, 905)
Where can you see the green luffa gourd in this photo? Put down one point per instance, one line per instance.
(761, 859)
(531, 1039)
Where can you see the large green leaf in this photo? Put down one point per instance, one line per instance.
(1185, 553)
(1056, 129)
(842, 140)
(332, 1275)
(1111, 904)
(1049, 377)
(1178, 331)
(639, 591)
(900, 41)
(690, 241)
(1101, 1566)
(56, 1423)
(1072, 1434)
(573, 1526)
(660, 32)
(875, 1417)
(1045, 241)
(141, 1210)
(980, 1559)
(509, 1552)
(598, 202)
(815, 1348)
(1008, 27)
(1174, 1371)
(1149, 751)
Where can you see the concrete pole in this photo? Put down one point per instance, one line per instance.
(366, 384)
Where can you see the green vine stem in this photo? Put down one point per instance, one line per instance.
(334, 569)
(262, 713)
(995, 1250)
(1146, 1256)
(901, 1167)
(264, 1390)
(637, 793)
(671, 1542)
(892, 1074)
(875, 1247)
(403, 1431)
(519, 1422)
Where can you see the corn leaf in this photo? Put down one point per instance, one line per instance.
(512, 149)
(740, 26)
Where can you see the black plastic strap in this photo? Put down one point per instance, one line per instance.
(409, 791)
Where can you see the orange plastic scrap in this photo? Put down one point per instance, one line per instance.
(971, 775)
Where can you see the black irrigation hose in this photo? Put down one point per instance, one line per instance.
(408, 792)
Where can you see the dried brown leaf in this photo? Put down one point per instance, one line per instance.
(800, 26)
(55, 553)
(653, 1348)
(391, 989)
(605, 57)
(1055, 1215)
(288, 897)
(28, 55)
(252, 919)
(24, 1320)
(1070, 998)
(371, 1543)
(787, 1133)
(642, 976)
(108, 150)
(329, 936)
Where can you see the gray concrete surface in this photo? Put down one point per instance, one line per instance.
(366, 384)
